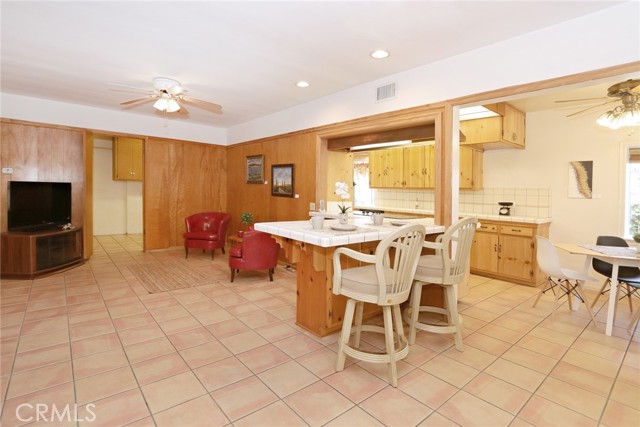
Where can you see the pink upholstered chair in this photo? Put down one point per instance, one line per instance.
(257, 251)
(206, 230)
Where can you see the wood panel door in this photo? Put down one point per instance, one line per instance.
(419, 165)
(414, 167)
(516, 257)
(471, 169)
(484, 252)
(513, 126)
(395, 168)
(377, 165)
(182, 178)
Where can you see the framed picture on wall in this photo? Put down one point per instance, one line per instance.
(282, 180)
(581, 179)
(255, 169)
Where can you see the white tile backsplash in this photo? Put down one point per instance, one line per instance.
(528, 202)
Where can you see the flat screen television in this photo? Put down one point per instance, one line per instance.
(35, 206)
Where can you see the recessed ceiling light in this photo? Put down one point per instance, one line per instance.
(379, 54)
(302, 83)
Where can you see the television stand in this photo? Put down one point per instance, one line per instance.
(26, 255)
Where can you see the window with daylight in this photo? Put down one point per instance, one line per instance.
(362, 194)
(632, 191)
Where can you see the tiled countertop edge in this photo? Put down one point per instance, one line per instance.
(531, 220)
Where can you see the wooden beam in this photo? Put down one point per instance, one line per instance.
(422, 132)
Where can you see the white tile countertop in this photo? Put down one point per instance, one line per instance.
(508, 218)
(505, 218)
(327, 237)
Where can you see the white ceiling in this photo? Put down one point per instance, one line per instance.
(246, 56)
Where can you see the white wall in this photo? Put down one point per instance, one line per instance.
(552, 141)
(117, 205)
(595, 41)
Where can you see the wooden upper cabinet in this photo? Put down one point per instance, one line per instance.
(386, 168)
(419, 165)
(504, 131)
(127, 159)
(377, 164)
(406, 167)
(414, 167)
(471, 169)
(395, 169)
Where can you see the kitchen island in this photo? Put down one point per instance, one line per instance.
(318, 310)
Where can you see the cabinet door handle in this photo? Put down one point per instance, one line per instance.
(495, 247)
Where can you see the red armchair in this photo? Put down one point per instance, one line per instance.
(257, 251)
(206, 230)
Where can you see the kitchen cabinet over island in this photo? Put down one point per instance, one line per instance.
(318, 310)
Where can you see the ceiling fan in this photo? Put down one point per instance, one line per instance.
(168, 96)
(627, 114)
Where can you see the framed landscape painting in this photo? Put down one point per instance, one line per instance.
(282, 180)
(255, 169)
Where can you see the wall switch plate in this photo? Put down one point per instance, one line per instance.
(312, 206)
(7, 170)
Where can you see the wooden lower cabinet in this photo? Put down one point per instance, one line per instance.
(507, 250)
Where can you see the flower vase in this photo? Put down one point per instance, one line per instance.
(343, 218)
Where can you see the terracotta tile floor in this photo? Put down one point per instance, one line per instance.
(91, 347)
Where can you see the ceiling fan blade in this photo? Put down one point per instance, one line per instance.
(592, 107)
(182, 109)
(135, 100)
(176, 90)
(623, 87)
(582, 99)
(125, 88)
(215, 108)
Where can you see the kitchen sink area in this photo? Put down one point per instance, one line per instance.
(389, 215)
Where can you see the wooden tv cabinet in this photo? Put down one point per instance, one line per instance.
(26, 255)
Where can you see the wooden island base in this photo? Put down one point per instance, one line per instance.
(318, 310)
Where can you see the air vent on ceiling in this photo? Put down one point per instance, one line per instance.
(386, 92)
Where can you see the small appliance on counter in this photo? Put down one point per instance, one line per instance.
(505, 208)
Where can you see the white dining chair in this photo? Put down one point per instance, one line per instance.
(446, 268)
(385, 280)
(561, 281)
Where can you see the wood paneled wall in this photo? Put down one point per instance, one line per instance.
(180, 178)
(44, 153)
(339, 166)
(301, 149)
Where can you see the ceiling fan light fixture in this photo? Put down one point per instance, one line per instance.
(172, 106)
(164, 83)
(620, 117)
(169, 105)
